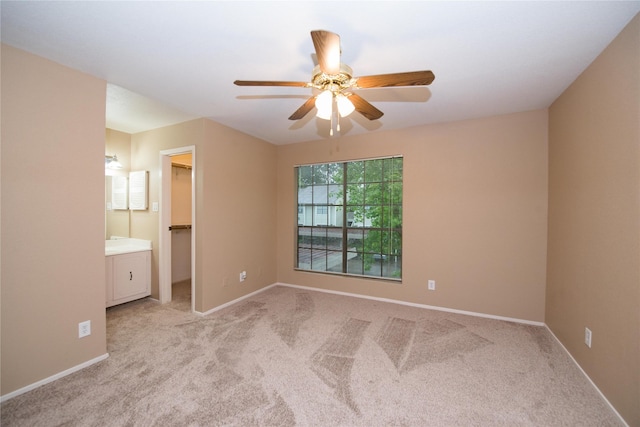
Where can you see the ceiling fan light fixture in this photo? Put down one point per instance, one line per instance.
(345, 107)
(324, 104)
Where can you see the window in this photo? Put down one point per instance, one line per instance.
(352, 221)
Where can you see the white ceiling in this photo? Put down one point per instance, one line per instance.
(168, 62)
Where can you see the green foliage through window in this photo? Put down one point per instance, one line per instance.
(350, 217)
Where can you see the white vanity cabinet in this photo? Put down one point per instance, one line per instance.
(128, 276)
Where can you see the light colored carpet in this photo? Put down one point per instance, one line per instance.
(181, 295)
(289, 356)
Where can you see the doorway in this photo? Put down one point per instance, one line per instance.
(177, 233)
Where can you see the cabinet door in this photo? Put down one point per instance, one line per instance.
(109, 279)
(130, 275)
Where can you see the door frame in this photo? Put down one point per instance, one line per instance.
(164, 267)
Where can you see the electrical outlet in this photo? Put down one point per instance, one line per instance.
(431, 284)
(84, 329)
(243, 276)
(587, 337)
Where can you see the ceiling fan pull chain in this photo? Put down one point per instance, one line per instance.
(335, 118)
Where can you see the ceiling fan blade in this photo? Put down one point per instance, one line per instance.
(304, 109)
(268, 83)
(364, 107)
(412, 78)
(327, 45)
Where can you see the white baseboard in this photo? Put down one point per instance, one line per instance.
(411, 304)
(53, 378)
(587, 376)
(225, 305)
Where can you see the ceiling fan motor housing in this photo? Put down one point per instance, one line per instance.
(333, 82)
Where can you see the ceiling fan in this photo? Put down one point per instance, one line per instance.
(335, 81)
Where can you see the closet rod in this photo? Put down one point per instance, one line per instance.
(180, 165)
(180, 227)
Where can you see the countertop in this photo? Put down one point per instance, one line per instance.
(126, 246)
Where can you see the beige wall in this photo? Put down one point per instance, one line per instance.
(240, 204)
(53, 263)
(594, 221)
(235, 179)
(475, 210)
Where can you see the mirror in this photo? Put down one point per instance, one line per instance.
(116, 220)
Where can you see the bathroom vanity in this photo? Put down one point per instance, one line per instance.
(128, 270)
